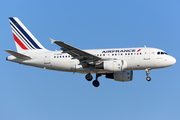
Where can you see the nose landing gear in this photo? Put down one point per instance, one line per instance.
(147, 74)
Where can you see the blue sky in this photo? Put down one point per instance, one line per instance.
(28, 93)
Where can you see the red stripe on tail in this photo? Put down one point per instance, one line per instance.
(19, 42)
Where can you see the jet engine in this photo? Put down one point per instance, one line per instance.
(113, 65)
(121, 76)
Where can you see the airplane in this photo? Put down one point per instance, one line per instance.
(115, 63)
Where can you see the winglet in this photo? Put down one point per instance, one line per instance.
(52, 41)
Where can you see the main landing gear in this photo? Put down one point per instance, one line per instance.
(95, 82)
(89, 77)
(147, 74)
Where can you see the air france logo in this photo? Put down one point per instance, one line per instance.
(138, 50)
(119, 51)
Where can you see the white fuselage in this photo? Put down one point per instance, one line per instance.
(136, 59)
(117, 64)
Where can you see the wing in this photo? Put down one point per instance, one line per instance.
(82, 56)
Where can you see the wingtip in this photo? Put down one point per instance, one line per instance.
(52, 41)
(55, 41)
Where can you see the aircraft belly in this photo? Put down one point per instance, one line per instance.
(64, 65)
(139, 64)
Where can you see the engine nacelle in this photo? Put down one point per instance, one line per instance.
(112, 65)
(115, 65)
(121, 76)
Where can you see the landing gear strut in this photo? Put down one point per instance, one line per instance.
(96, 82)
(147, 74)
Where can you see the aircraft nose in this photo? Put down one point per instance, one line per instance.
(172, 60)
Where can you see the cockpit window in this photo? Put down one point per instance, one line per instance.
(161, 53)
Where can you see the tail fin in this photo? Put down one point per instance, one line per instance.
(23, 38)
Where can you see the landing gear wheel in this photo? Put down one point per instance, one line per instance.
(95, 83)
(89, 77)
(148, 78)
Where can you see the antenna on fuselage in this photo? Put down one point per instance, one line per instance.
(145, 46)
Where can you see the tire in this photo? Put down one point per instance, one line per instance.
(96, 83)
(148, 78)
(89, 77)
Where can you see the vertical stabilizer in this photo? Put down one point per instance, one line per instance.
(24, 39)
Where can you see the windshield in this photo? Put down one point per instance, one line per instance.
(162, 53)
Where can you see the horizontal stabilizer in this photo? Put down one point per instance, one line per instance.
(18, 55)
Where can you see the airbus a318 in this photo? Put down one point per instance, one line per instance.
(117, 64)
